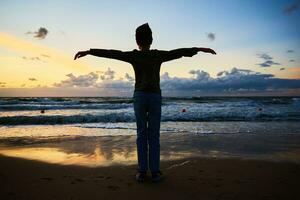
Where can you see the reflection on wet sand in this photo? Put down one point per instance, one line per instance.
(92, 152)
(109, 150)
(56, 155)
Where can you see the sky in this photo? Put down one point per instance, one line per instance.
(257, 44)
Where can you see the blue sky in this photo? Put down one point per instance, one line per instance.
(244, 30)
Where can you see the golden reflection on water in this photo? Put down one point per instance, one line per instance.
(99, 157)
(56, 155)
(95, 159)
(121, 149)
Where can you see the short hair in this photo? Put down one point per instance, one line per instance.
(143, 35)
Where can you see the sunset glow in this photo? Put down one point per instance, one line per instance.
(37, 52)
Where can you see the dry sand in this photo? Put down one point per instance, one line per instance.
(192, 178)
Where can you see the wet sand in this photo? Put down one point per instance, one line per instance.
(190, 178)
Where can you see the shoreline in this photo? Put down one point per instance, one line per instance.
(195, 178)
(216, 166)
(100, 151)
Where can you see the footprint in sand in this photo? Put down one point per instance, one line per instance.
(113, 187)
(11, 193)
(240, 181)
(79, 180)
(192, 179)
(104, 177)
(47, 178)
(217, 185)
(294, 171)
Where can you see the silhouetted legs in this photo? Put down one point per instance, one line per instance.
(147, 108)
(154, 115)
(141, 123)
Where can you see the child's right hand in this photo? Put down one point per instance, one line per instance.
(207, 50)
(81, 54)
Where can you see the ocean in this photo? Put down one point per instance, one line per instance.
(196, 115)
(265, 127)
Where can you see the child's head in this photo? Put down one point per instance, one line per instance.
(143, 36)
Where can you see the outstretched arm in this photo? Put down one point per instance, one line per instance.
(206, 50)
(105, 53)
(187, 52)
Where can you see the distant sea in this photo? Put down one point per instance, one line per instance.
(201, 115)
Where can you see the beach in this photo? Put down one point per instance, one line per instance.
(193, 178)
(85, 148)
(193, 166)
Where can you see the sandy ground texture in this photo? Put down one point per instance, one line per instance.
(192, 178)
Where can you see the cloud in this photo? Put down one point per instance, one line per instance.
(31, 58)
(290, 8)
(211, 36)
(264, 56)
(222, 73)
(108, 75)
(2, 84)
(32, 79)
(199, 74)
(268, 60)
(116, 85)
(41, 33)
(128, 77)
(88, 80)
(107, 80)
(234, 80)
(290, 51)
(268, 63)
(45, 55)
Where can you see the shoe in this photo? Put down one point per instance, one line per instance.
(140, 176)
(156, 176)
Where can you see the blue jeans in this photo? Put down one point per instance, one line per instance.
(147, 109)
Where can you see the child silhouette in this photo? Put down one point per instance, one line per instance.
(147, 94)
